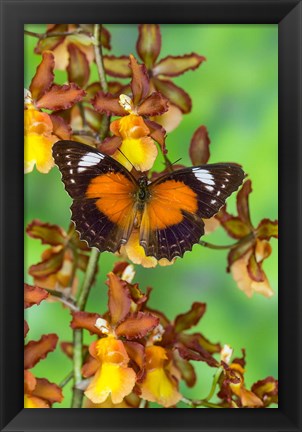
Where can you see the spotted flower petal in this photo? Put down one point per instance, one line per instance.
(172, 66)
(149, 43)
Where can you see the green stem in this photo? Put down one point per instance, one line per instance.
(98, 53)
(66, 380)
(196, 403)
(67, 301)
(243, 240)
(77, 397)
(214, 384)
(42, 36)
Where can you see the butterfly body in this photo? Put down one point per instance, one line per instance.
(109, 202)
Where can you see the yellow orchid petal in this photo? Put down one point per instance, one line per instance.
(141, 153)
(158, 387)
(34, 402)
(136, 253)
(38, 150)
(111, 350)
(112, 379)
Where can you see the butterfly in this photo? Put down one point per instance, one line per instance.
(109, 202)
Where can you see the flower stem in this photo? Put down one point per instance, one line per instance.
(77, 397)
(98, 53)
(66, 380)
(243, 240)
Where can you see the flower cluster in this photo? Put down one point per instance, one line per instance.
(38, 392)
(138, 356)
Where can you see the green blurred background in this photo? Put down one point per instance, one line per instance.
(235, 95)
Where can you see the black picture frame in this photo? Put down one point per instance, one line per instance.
(288, 15)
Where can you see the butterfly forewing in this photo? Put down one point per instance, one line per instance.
(172, 220)
(103, 208)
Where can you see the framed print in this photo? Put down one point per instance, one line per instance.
(159, 161)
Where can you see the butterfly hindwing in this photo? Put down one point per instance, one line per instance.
(103, 209)
(172, 220)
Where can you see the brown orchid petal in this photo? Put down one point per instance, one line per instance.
(164, 321)
(78, 67)
(51, 43)
(186, 369)
(266, 390)
(148, 43)
(153, 105)
(93, 118)
(90, 367)
(234, 226)
(198, 340)
(26, 328)
(136, 326)
(254, 269)
(48, 266)
(47, 233)
(140, 80)
(189, 319)
(44, 76)
(201, 355)
(105, 38)
(199, 150)
(91, 91)
(61, 97)
(116, 88)
(243, 203)
(245, 283)
(157, 132)
(136, 352)
(176, 95)
(48, 391)
(117, 67)
(195, 342)
(267, 229)
(136, 294)
(171, 119)
(119, 300)
(60, 128)
(249, 399)
(239, 251)
(35, 351)
(110, 145)
(172, 66)
(85, 320)
(106, 103)
(33, 295)
(29, 381)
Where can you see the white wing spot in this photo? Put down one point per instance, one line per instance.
(204, 176)
(210, 188)
(89, 160)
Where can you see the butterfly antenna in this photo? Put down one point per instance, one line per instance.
(127, 159)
